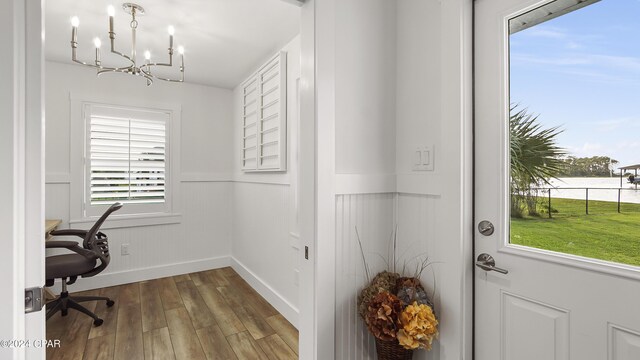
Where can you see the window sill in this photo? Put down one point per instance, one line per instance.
(128, 221)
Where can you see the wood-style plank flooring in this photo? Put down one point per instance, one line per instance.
(208, 315)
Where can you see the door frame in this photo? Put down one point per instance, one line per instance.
(307, 124)
(12, 176)
(35, 169)
(22, 181)
(457, 114)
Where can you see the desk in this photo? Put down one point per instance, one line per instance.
(49, 226)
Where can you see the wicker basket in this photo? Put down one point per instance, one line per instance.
(392, 350)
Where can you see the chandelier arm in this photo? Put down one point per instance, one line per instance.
(74, 57)
(104, 70)
(113, 51)
(149, 74)
(149, 79)
(86, 64)
(149, 65)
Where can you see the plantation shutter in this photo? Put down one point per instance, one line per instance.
(127, 157)
(250, 125)
(264, 111)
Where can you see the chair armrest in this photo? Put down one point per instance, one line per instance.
(70, 245)
(69, 232)
(60, 244)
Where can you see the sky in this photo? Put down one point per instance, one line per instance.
(581, 71)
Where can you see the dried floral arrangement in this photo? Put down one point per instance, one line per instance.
(396, 308)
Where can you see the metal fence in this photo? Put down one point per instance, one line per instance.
(615, 192)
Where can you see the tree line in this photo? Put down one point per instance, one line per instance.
(594, 166)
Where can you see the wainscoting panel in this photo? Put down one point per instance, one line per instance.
(373, 216)
(418, 240)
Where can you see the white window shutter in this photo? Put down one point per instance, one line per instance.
(127, 160)
(264, 117)
(250, 125)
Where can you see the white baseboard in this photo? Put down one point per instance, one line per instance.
(285, 308)
(155, 272)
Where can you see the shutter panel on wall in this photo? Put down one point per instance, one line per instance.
(264, 117)
(126, 160)
(250, 125)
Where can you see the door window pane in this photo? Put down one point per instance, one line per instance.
(575, 129)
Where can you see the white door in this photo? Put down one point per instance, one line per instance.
(21, 178)
(552, 303)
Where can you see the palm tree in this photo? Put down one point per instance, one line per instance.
(535, 158)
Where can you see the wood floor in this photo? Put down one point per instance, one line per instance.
(212, 314)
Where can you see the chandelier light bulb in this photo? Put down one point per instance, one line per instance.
(171, 30)
(147, 55)
(181, 50)
(75, 21)
(97, 43)
(111, 10)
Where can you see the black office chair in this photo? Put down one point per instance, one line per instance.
(83, 263)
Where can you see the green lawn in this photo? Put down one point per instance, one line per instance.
(603, 234)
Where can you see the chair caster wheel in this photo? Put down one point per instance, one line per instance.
(98, 322)
(110, 303)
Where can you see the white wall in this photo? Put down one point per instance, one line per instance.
(365, 64)
(203, 238)
(265, 242)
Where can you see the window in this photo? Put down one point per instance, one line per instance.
(573, 82)
(126, 157)
(264, 112)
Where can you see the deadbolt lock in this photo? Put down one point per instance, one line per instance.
(485, 228)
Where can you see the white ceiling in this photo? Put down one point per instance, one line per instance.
(224, 40)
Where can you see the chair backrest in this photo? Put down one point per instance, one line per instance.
(98, 242)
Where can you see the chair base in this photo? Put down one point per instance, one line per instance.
(64, 302)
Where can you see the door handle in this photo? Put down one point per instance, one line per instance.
(487, 263)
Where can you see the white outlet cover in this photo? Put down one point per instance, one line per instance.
(124, 249)
(296, 277)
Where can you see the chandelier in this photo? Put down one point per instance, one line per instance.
(145, 69)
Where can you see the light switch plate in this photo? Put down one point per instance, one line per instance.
(417, 158)
(423, 158)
